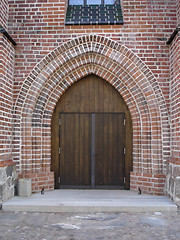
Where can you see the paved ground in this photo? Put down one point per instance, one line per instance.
(90, 226)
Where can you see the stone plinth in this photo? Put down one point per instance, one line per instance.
(7, 177)
(24, 187)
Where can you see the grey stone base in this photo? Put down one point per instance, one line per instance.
(7, 177)
(64, 200)
(173, 183)
(24, 187)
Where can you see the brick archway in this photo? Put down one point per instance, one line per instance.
(127, 73)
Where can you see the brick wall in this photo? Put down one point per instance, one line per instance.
(175, 99)
(7, 169)
(4, 9)
(38, 27)
(6, 98)
(178, 11)
(173, 179)
(46, 66)
(173, 171)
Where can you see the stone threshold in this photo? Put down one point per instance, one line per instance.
(89, 201)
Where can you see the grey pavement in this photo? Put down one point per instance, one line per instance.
(90, 226)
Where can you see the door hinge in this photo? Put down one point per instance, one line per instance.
(59, 122)
(59, 150)
(124, 180)
(124, 150)
(124, 121)
(59, 179)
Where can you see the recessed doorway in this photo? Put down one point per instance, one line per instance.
(91, 137)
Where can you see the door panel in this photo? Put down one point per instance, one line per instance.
(109, 142)
(75, 149)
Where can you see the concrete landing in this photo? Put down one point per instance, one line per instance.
(89, 201)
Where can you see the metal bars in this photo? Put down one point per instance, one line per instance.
(93, 2)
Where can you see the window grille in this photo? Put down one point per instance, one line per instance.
(93, 2)
(94, 12)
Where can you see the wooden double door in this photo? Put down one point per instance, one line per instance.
(92, 150)
(91, 143)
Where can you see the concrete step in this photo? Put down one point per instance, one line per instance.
(89, 201)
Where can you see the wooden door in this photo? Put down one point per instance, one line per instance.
(92, 150)
(88, 96)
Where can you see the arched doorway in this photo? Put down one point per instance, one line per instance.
(91, 137)
(133, 80)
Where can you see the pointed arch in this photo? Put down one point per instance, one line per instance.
(114, 63)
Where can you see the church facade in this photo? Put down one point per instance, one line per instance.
(90, 95)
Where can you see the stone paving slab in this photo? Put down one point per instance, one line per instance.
(90, 226)
(89, 201)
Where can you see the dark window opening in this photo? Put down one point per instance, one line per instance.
(94, 12)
